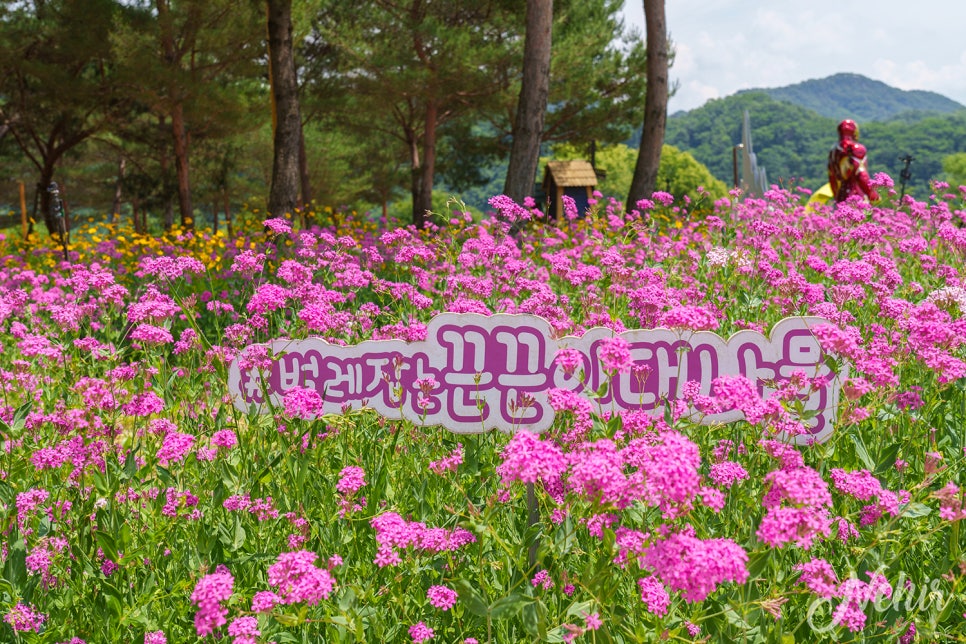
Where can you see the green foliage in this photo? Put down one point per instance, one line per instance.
(365, 82)
(58, 85)
(954, 166)
(446, 205)
(680, 173)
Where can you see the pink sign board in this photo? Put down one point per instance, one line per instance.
(494, 372)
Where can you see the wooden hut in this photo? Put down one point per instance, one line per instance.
(576, 179)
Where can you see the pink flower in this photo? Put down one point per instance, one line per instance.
(299, 580)
(278, 225)
(244, 629)
(597, 473)
(224, 438)
(420, 632)
(152, 335)
(654, 595)
(174, 447)
(782, 525)
(859, 484)
(441, 597)
(155, 637)
(615, 355)
(952, 504)
(528, 459)
(302, 403)
(693, 318)
(268, 297)
(569, 360)
(819, 577)
(799, 486)
(351, 479)
(727, 473)
(247, 263)
(24, 618)
(171, 267)
(695, 567)
(210, 591)
(542, 579)
(670, 466)
(448, 463)
(264, 601)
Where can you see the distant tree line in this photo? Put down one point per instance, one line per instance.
(175, 108)
(793, 142)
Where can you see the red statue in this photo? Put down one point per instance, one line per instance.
(847, 171)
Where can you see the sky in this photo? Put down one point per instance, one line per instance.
(722, 46)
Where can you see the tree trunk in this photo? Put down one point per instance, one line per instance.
(178, 127)
(118, 184)
(415, 175)
(423, 175)
(532, 105)
(227, 214)
(167, 206)
(46, 176)
(283, 197)
(136, 215)
(304, 178)
(655, 104)
(181, 166)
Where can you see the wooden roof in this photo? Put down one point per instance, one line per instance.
(567, 174)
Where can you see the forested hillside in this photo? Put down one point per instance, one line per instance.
(859, 98)
(792, 142)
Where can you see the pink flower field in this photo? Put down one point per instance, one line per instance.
(140, 504)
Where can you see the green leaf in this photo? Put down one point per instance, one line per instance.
(114, 604)
(100, 482)
(286, 620)
(239, 540)
(535, 619)
(7, 493)
(736, 619)
(508, 606)
(887, 459)
(106, 543)
(166, 477)
(615, 424)
(124, 537)
(602, 390)
(916, 510)
(130, 466)
(19, 417)
(757, 564)
(565, 537)
(579, 609)
(15, 567)
(468, 595)
(862, 452)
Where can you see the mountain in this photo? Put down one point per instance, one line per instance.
(792, 141)
(859, 98)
